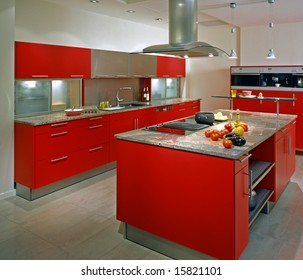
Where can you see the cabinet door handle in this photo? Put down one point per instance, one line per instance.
(96, 118)
(95, 149)
(293, 103)
(58, 124)
(59, 134)
(76, 76)
(289, 145)
(96, 126)
(182, 110)
(59, 159)
(245, 158)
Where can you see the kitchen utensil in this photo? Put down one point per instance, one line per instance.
(205, 118)
(73, 112)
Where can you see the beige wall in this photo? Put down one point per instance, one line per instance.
(210, 76)
(285, 39)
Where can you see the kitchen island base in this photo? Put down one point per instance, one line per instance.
(161, 245)
(32, 194)
(192, 191)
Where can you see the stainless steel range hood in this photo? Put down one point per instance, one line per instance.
(183, 33)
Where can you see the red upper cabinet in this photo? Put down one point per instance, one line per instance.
(33, 60)
(170, 67)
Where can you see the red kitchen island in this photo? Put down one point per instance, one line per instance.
(187, 196)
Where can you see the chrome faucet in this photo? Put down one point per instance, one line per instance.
(118, 100)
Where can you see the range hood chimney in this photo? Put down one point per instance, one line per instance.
(183, 33)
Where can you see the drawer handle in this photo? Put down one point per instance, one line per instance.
(58, 124)
(76, 76)
(283, 129)
(39, 76)
(95, 149)
(96, 126)
(59, 159)
(182, 110)
(245, 158)
(58, 134)
(96, 118)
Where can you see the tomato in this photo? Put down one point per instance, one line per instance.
(225, 131)
(221, 133)
(214, 136)
(227, 143)
(229, 127)
(208, 133)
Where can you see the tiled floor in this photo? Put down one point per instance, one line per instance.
(79, 223)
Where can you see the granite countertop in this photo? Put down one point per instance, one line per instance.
(261, 127)
(61, 117)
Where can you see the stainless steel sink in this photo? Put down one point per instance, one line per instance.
(135, 104)
(113, 108)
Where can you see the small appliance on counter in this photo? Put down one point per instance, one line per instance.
(205, 118)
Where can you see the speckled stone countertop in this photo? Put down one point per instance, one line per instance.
(61, 117)
(261, 127)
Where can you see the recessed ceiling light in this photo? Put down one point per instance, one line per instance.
(158, 19)
(131, 11)
(94, 1)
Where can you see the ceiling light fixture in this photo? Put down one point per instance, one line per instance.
(158, 19)
(94, 1)
(271, 54)
(233, 54)
(130, 11)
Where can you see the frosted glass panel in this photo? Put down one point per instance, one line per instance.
(165, 88)
(32, 96)
(41, 96)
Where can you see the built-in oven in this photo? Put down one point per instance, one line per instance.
(245, 79)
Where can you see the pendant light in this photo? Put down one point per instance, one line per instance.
(233, 54)
(271, 54)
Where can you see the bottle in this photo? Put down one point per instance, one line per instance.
(144, 95)
(237, 117)
(147, 95)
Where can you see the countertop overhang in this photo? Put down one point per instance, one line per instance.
(261, 127)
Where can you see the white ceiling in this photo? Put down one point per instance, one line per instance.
(211, 12)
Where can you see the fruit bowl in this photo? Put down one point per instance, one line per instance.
(73, 112)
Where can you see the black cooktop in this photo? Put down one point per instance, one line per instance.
(181, 127)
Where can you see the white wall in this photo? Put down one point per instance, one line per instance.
(50, 23)
(6, 98)
(285, 39)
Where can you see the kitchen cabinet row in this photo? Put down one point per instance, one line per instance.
(46, 154)
(35, 60)
(270, 106)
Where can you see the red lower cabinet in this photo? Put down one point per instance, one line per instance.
(49, 153)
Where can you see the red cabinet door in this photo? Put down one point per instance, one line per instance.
(241, 209)
(146, 117)
(165, 113)
(297, 110)
(170, 66)
(291, 149)
(119, 122)
(33, 60)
